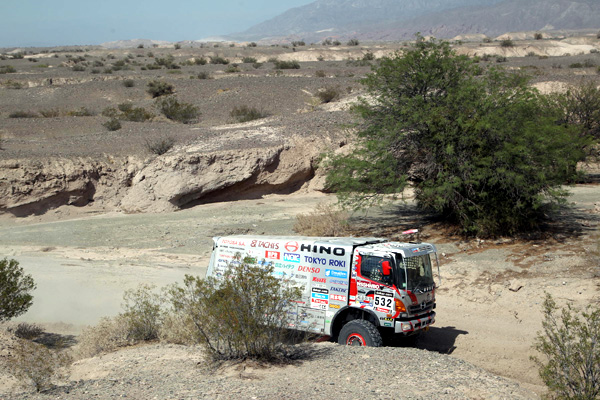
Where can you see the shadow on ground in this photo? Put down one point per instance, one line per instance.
(441, 340)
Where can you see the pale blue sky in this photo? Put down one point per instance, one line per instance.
(85, 22)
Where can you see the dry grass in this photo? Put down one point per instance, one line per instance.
(325, 220)
(108, 335)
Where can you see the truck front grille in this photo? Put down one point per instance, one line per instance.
(422, 308)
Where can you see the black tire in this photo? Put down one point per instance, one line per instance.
(360, 333)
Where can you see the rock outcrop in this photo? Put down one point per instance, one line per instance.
(182, 177)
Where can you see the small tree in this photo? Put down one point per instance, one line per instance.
(482, 149)
(570, 342)
(15, 288)
(243, 315)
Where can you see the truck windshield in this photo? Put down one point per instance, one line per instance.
(414, 273)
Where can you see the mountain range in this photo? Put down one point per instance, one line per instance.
(401, 19)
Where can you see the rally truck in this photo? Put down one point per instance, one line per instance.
(355, 290)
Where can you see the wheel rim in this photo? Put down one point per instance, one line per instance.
(355, 340)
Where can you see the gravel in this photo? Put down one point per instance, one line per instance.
(162, 371)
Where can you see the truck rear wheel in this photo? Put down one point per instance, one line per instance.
(360, 333)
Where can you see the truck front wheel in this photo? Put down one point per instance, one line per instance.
(360, 333)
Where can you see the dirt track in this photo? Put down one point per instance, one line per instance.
(488, 305)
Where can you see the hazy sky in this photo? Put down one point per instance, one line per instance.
(70, 22)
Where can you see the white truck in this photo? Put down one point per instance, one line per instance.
(354, 290)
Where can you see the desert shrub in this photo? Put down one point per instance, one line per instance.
(10, 84)
(531, 54)
(598, 35)
(353, 42)
(107, 71)
(95, 71)
(580, 107)
(82, 112)
(594, 51)
(320, 73)
(570, 343)
(204, 75)
(249, 60)
(177, 46)
(487, 40)
(159, 146)
(140, 46)
(18, 56)
(143, 312)
(50, 113)
(325, 220)
(15, 290)
(153, 66)
(219, 60)
(326, 42)
(298, 43)
(501, 59)
(252, 44)
(233, 68)
(200, 61)
(589, 63)
(36, 365)
(538, 36)
(167, 61)
(136, 114)
(106, 336)
(150, 54)
(22, 114)
(112, 125)
(507, 43)
(174, 110)
(256, 65)
(78, 68)
(242, 316)
(245, 113)
(129, 83)
(7, 69)
(25, 330)
(328, 94)
(41, 66)
(368, 56)
(292, 64)
(159, 88)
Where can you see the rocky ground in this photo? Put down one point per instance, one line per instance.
(83, 211)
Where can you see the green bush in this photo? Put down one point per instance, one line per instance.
(15, 290)
(200, 61)
(326, 42)
(22, 114)
(507, 43)
(160, 145)
(136, 114)
(204, 75)
(242, 316)
(50, 113)
(256, 65)
(580, 108)
(219, 60)
(25, 330)
(538, 36)
(7, 69)
(159, 88)
(570, 343)
(481, 148)
(292, 64)
(181, 112)
(245, 114)
(78, 68)
(112, 124)
(129, 83)
(82, 112)
(328, 94)
(143, 313)
(320, 73)
(298, 43)
(233, 68)
(249, 60)
(252, 44)
(353, 42)
(368, 56)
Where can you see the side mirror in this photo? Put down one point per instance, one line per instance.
(387, 268)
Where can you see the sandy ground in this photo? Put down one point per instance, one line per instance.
(488, 304)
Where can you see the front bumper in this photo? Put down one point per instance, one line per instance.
(414, 324)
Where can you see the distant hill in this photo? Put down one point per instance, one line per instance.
(398, 20)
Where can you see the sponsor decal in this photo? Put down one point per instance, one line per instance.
(334, 306)
(317, 279)
(236, 242)
(291, 246)
(338, 289)
(337, 297)
(273, 255)
(337, 251)
(315, 260)
(368, 284)
(300, 276)
(338, 282)
(265, 245)
(291, 257)
(336, 274)
(319, 298)
(387, 324)
(283, 266)
(337, 263)
(386, 319)
(310, 270)
(381, 309)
